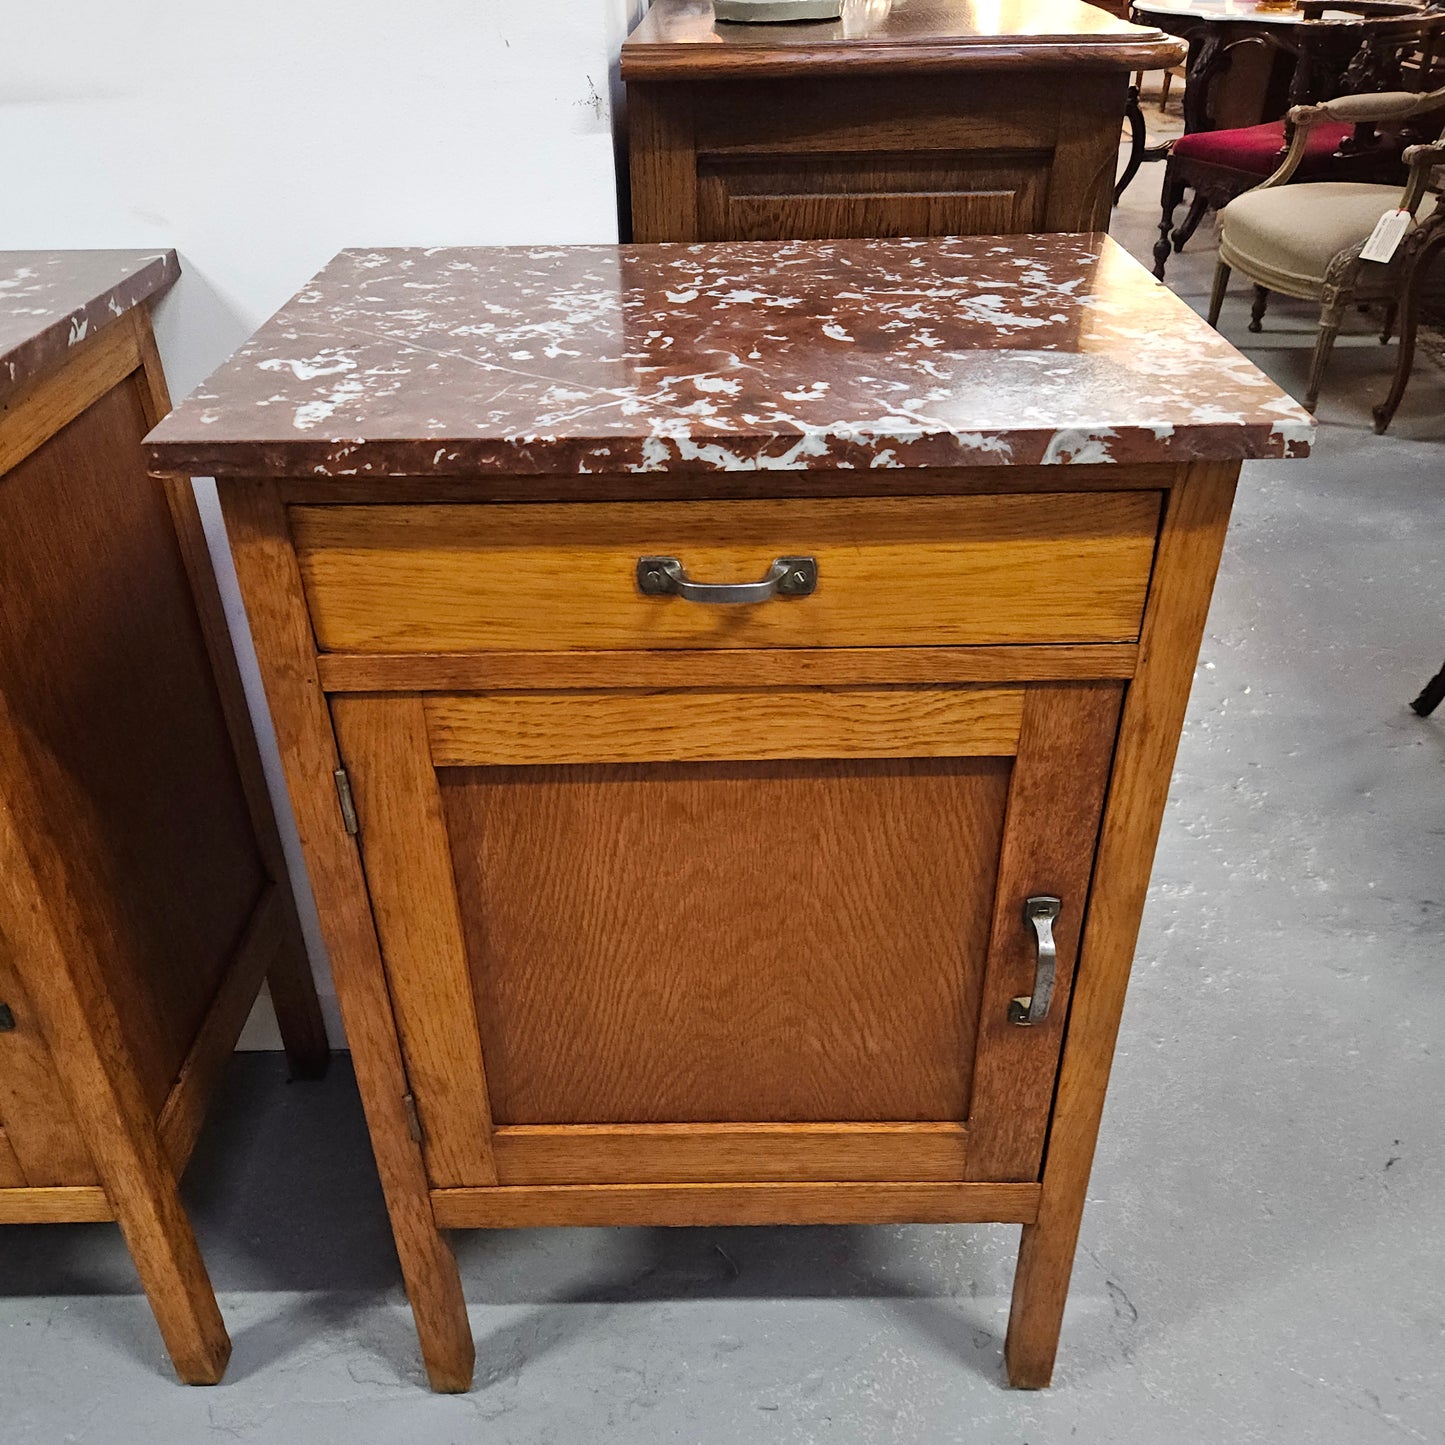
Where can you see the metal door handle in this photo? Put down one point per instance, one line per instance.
(787, 577)
(1040, 911)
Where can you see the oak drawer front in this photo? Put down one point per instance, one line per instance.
(922, 571)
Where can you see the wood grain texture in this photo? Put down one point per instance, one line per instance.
(292, 984)
(661, 170)
(895, 116)
(1055, 797)
(1190, 543)
(721, 486)
(276, 608)
(734, 667)
(107, 677)
(724, 1153)
(41, 1129)
(820, 197)
(708, 726)
(49, 403)
(211, 1048)
(723, 1204)
(11, 1174)
(1081, 178)
(944, 571)
(46, 902)
(71, 1204)
(414, 901)
(727, 942)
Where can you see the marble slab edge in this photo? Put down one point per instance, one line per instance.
(379, 457)
(61, 321)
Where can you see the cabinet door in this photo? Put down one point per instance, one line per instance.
(696, 936)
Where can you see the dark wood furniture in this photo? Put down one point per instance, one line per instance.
(931, 118)
(652, 904)
(1245, 72)
(143, 895)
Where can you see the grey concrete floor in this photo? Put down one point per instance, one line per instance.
(1263, 1258)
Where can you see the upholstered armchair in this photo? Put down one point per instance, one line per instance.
(1305, 239)
(1216, 165)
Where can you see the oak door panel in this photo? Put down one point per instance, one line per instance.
(727, 942)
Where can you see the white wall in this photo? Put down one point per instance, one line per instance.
(259, 138)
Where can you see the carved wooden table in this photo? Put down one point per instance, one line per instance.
(944, 117)
(708, 679)
(143, 895)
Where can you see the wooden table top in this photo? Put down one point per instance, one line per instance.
(680, 38)
(52, 300)
(729, 357)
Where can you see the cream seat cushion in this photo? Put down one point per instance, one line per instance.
(1285, 237)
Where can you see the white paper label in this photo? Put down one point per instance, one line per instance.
(1388, 233)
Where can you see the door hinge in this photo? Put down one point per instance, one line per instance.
(413, 1119)
(348, 803)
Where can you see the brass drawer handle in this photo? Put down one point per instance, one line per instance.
(787, 577)
(1040, 912)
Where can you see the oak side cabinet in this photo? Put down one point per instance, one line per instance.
(931, 118)
(728, 694)
(143, 895)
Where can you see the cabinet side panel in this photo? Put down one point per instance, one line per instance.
(106, 674)
(40, 1129)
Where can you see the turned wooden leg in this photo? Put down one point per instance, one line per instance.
(1324, 345)
(1192, 217)
(1216, 295)
(1256, 312)
(1170, 197)
(298, 1010)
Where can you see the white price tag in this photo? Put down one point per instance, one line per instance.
(1388, 233)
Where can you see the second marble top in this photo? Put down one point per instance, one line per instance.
(976, 350)
(51, 301)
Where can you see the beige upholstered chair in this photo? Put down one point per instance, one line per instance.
(1304, 240)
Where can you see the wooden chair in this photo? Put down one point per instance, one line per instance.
(1396, 53)
(1304, 240)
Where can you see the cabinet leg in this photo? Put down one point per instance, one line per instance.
(174, 1277)
(298, 1010)
(434, 1287)
(1041, 1286)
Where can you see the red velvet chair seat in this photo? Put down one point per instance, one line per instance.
(1258, 149)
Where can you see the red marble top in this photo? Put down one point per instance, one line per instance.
(806, 354)
(52, 300)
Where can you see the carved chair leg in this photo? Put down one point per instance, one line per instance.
(1431, 696)
(1409, 321)
(1135, 117)
(1195, 214)
(1171, 196)
(1330, 317)
(1256, 312)
(1216, 295)
(1387, 326)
